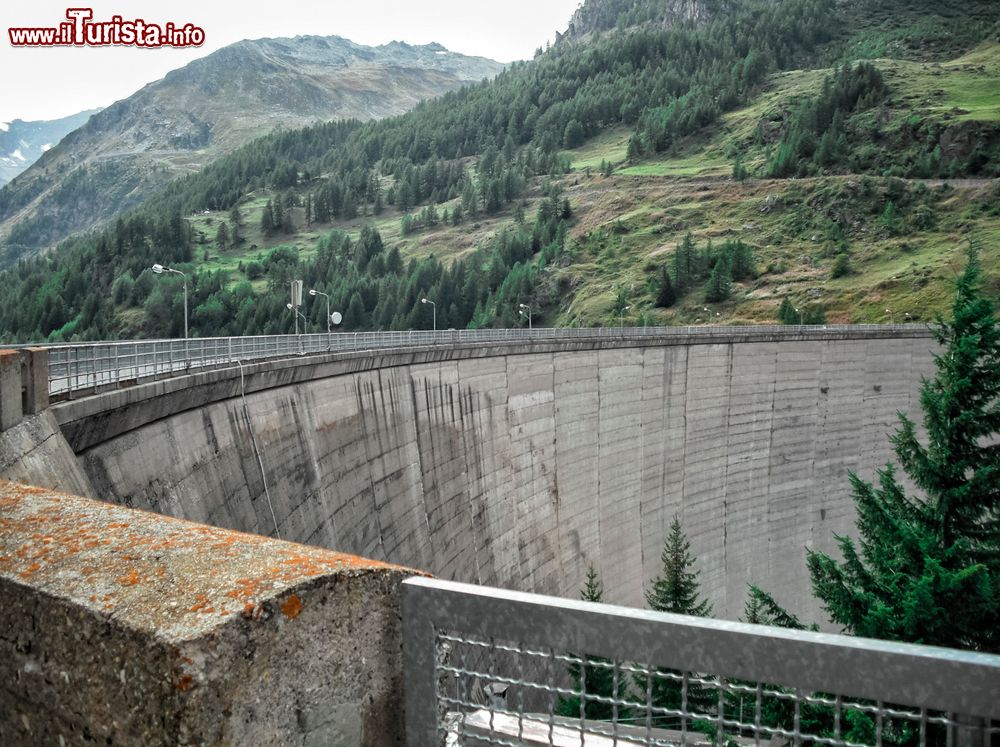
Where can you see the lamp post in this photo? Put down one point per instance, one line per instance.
(435, 309)
(891, 318)
(621, 323)
(315, 293)
(525, 310)
(305, 322)
(799, 312)
(159, 270)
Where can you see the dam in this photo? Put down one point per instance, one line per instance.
(518, 464)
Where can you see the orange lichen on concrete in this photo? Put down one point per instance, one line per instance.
(30, 570)
(246, 589)
(292, 607)
(129, 579)
(172, 576)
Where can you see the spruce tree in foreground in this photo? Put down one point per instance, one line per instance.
(591, 677)
(927, 569)
(675, 590)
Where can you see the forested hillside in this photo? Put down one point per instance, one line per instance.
(665, 157)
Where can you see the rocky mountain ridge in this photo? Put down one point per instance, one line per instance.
(209, 107)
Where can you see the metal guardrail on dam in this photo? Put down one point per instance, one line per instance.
(488, 666)
(89, 367)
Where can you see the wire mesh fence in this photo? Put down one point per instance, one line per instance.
(551, 697)
(522, 670)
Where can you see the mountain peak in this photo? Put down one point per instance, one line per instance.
(212, 105)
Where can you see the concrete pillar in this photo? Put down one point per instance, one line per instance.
(10, 389)
(35, 380)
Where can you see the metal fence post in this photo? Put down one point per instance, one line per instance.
(419, 671)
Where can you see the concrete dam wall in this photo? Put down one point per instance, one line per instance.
(518, 466)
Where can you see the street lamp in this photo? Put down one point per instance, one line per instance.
(891, 319)
(622, 316)
(799, 312)
(525, 310)
(159, 270)
(329, 340)
(315, 293)
(435, 308)
(297, 315)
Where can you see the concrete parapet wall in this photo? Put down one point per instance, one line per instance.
(130, 628)
(24, 384)
(10, 389)
(519, 465)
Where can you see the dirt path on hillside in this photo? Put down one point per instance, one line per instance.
(650, 182)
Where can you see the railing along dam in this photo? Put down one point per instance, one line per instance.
(509, 458)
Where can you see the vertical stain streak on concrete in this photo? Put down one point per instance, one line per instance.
(725, 479)
(599, 512)
(425, 512)
(471, 445)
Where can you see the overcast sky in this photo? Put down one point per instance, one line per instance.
(48, 83)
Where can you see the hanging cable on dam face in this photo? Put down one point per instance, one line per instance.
(253, 440)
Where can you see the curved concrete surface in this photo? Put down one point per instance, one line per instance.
(518, 466)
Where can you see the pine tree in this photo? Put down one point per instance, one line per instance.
(787, 313)
(685, 264)
(741, 260)
(354, 317)
(222, 235)
(267, 219)
(665, 297)
(890, 219)
(675, 590)
(594, 677)
(634, 148)
(278, 213)
(404, 196)
(719, 285)
(928, 568)
(573, 134)
(762, 609)
(469, 199)
(739, 170)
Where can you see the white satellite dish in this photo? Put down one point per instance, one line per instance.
(336, 317)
